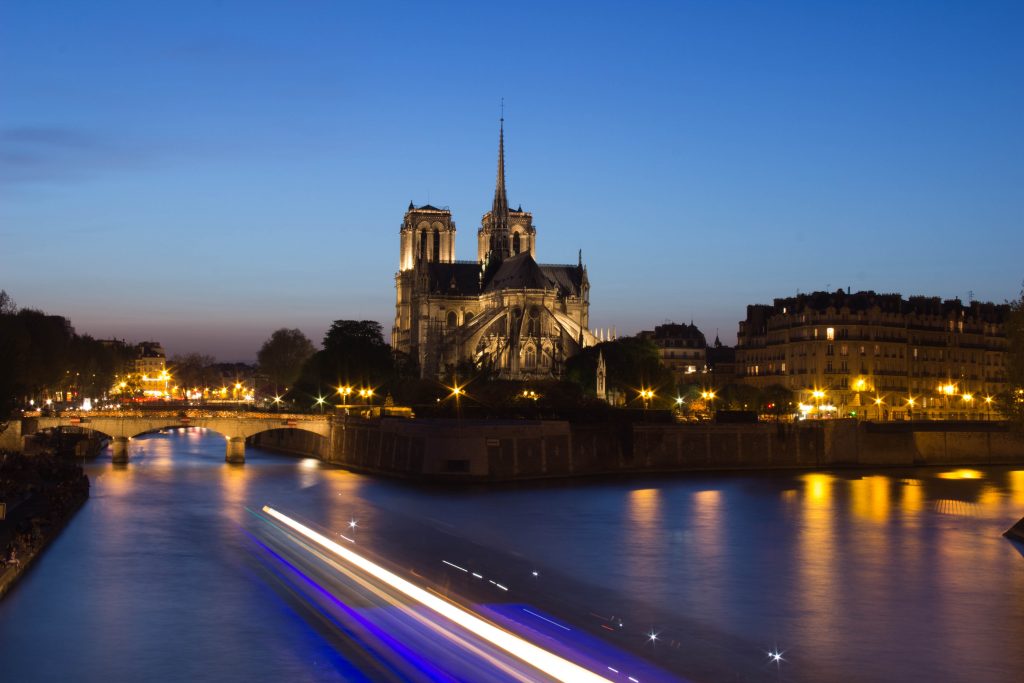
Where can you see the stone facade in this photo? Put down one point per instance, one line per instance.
(503, 311)
(682, 348)
(878, 355)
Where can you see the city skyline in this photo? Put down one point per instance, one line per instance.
(204, 177)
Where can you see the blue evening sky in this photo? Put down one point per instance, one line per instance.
(204, 173)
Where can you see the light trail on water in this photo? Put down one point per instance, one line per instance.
(533, 655)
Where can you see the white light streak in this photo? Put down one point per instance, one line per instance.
(611, 669)
(479, 576)
(548, 662)
(548, 620)
(450, 564)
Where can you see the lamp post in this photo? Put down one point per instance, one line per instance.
(709, 400)
(646, 395)
(817, 395)
(968, 399)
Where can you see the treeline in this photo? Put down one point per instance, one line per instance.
(354, 356)
(41, 356)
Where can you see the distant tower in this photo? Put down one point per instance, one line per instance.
(504, 232)
(602, 373)
(427, 236)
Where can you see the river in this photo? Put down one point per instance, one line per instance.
(884, 575)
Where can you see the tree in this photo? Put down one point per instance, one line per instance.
(7, 305)
(633, 364)
(282, 356)
(192, 371)
(778, 400)
(354, 354)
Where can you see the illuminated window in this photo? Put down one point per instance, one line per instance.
(830, 333)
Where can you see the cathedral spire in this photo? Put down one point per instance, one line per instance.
(500, 242)
(499, 208)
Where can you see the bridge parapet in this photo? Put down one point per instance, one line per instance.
(122, 425)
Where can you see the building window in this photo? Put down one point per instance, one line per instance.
(830, 333)
(515, 243)
(452, 319)
(844, 349)
(437, 245)
(531, 357)
(830, 350)
(533, 324)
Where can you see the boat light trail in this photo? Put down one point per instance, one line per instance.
(538, 657)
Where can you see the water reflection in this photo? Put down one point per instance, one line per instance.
(815, 592)
(878, 575)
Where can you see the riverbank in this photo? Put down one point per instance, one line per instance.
(40, 493)
(518, 450)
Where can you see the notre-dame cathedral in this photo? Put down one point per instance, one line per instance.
(503, 311)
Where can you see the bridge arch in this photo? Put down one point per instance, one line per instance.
(235, 428)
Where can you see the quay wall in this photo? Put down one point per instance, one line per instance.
(497, 450)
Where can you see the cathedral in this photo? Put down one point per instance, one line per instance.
(504, 311)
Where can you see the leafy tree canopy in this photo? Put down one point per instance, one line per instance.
(282, 356)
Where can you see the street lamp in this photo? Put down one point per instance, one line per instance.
(968, 399)
(817, 395)
(879, 402)
(646, 395)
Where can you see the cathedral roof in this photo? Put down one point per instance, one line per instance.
(522, 272)
(569, 278)
(461, 278)
(519, 272)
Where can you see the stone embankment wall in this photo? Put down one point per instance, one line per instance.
(511, 450)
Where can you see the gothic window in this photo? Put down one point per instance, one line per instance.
(531, 357)
(437, 246)
(452, 319)
(423, 245)
(533, 325)
(515, 243)
(466, 318)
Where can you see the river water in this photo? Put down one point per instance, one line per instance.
(887, 575)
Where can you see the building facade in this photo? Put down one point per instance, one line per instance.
(502, 311)
(877, 355)
(681, 348)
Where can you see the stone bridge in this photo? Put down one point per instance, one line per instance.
(236, 427)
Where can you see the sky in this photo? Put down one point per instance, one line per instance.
(204, 173)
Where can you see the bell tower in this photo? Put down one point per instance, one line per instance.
(427, 236)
